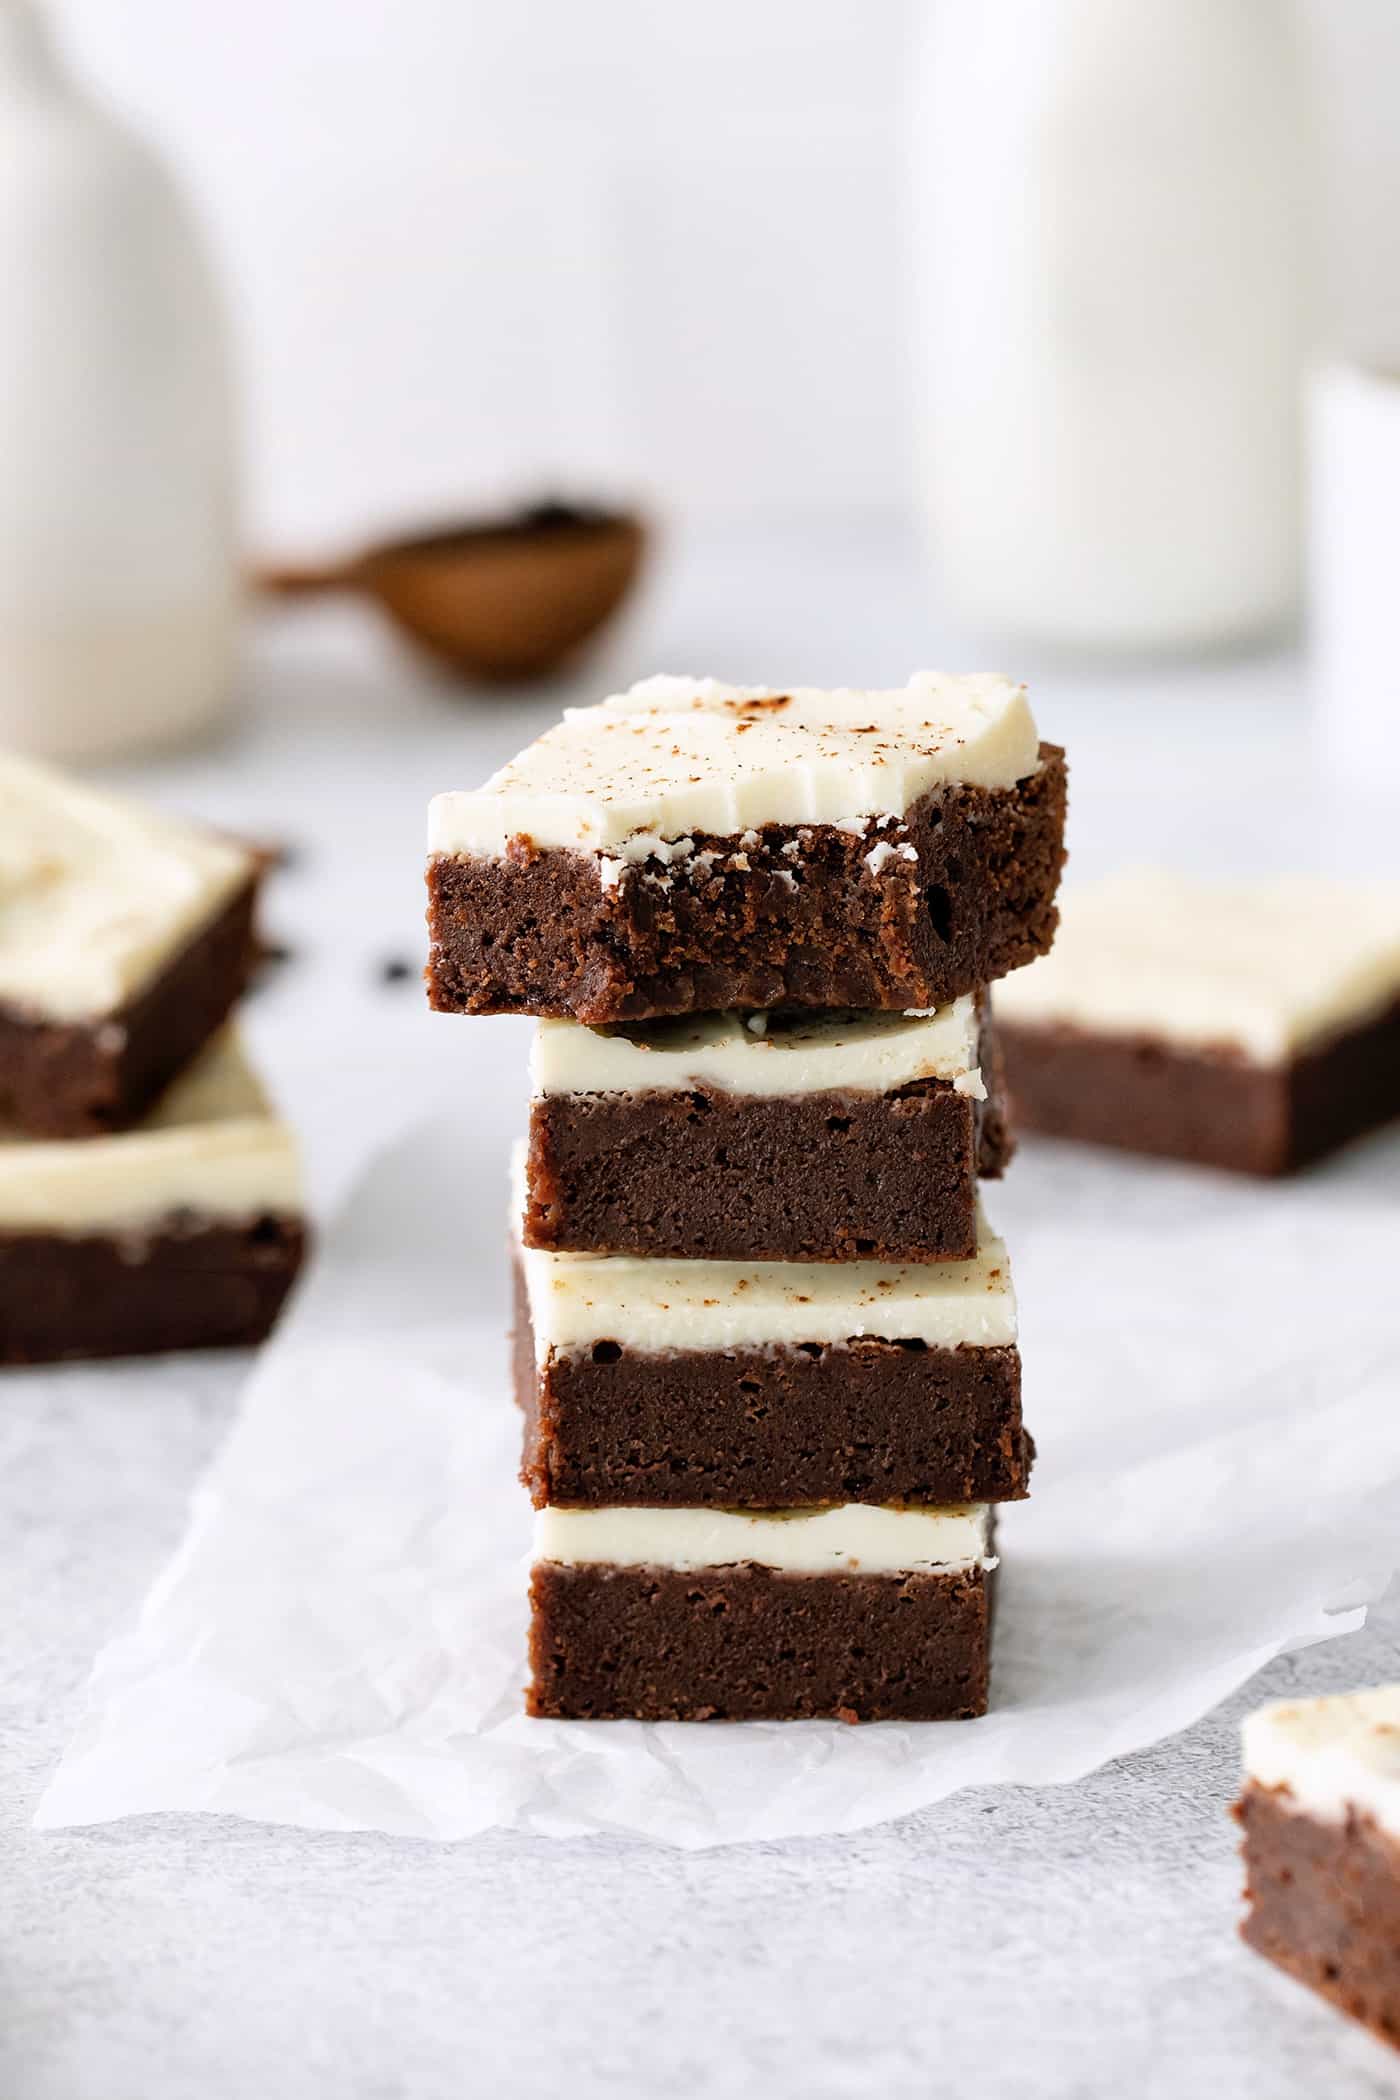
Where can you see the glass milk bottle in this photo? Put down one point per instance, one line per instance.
(1110, 268)
(118, 580)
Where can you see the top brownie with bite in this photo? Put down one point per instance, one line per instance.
(690, 846)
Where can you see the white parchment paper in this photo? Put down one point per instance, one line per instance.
(1212, 1375)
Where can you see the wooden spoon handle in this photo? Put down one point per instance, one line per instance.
(289, 580)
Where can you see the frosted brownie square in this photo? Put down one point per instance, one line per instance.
(1320, 1812)
(770, 1385)
(690, 847)
(1247, 1025)
(125, 939)
(185, 1233)
(784, 1137)
(852, 1614)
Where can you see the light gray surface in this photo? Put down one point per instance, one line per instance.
(1066, 1942)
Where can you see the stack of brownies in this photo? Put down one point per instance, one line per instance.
(149, 1194)
(766, 1343)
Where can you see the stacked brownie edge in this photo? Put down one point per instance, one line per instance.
(149, 1194)
(765, 1340)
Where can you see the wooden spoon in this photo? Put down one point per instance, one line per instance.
(503, 599)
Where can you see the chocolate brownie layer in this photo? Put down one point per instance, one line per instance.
(1324, 1902)
(1213, 1108)
(798, 917)
(820, 1176)
(186, 1283)
(79, 1078)
(751, 1643)
(773, 1428)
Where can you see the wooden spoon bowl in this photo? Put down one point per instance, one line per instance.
(502, 600)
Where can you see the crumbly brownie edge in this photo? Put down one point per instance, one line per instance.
(1211, 1108)
(751, 1643)
(79, 1079)
(187, 1283)
(800, 920)
(870, 1421)
(838, 1176)
(1324, 1904)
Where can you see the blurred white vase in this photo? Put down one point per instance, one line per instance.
(1109, 214)
(118, 576)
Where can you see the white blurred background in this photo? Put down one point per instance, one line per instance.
(475, 245)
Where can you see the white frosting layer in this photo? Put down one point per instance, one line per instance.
(96, 894)
(653, 1306)
(750, 1055)
(213, 1144)
(1263, 967)
(855, 1538)
(1331, 1754)
(635, 776)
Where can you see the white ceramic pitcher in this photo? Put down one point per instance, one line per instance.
(118, 580)
(1111, 269)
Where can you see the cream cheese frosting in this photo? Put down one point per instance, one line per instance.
(1331, 1754)
(213, 1144)
(96, 894)
(577, 1300)
(755, 1055)
(854, 1538)
(634, 777)
(1265, 968)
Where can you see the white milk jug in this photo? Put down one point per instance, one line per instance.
(1110, 269)
(118, 580)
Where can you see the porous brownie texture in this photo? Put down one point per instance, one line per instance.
(1211, 1108)
(750, 1643)
(1324, 1903)
(798, 920)
(778, 1428)
(187, 1283)
(795, 1177)
(81, 1078)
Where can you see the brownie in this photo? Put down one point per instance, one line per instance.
(183, 1233)
(1216, 1108)
(1324, 1899)
(186, 1283)
(866, 1420)
(782, 916)
(77, 1078)
(839, 1175)
(1251, 1025)
(125, 939)
(745, 1642)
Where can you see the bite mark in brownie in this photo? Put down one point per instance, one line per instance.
(745, 1642)
(796, 916)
